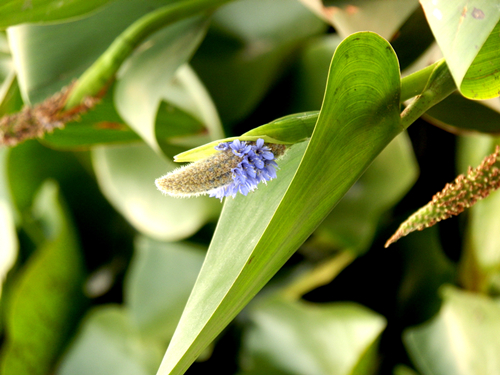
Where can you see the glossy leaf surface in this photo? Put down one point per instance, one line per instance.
(359, 117)
(468, 34)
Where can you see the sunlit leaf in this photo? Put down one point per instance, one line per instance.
(258, 233)
(324, 338)
(108, 344)
(462, 339)
(380, 16)
(126, 175)
(158, 284)
(46, 297)
(467, 32)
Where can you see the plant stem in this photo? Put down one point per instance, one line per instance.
(105, 67)
(440, 85)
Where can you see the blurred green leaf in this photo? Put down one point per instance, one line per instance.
(126, 176)
(62, 52)
(248, 47)
(158, 284)
(46, 297)
(297, 337)
(403, 370)
(468, 33)
(425, 268)
(462, 339)
(154, 76)
(359, 117)
(353, 222)
(10, 95)
(109, 344)
(380, 16)
(8, 235)
(460, 115)
(45, 11)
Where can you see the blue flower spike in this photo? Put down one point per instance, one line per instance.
(239, 167)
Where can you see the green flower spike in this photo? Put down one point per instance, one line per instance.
(455, 197)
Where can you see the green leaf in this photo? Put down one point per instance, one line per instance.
(353, 222)
(258, 233)
(467, 32)
(8, 233)
(462, 339)
(126, 176)
(158, 284)
(46, 11)
(286, 130)
(46, 297)
(248, 48)
(460, 115)
(382, 17)
(297, 337)
(109, 344)
(155, 75)
(62, 52)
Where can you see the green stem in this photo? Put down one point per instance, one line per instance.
(440, 85)
(105, 67)
(415, 83)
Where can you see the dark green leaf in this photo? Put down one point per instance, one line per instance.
(46, 297)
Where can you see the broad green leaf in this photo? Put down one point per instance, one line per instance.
(297, 337)
(382, 16)
(109, 344)
(62, 52)
(467, 33)
(462, 339)
(258, 233)
(481, 258)
(158, 283)
(45, 299)
(10, 95)
(248, 48)
(460, 115)
(126, 176)
(45, 11)
(353, 222)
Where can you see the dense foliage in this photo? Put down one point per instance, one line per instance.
(378, 103)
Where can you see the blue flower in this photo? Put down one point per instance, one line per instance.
(238, 168)
(257, 165)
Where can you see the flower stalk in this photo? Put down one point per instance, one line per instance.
(463, 193)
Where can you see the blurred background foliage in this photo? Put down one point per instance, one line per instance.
(97, 265)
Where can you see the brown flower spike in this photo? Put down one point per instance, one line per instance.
(455, 197)
(35, 122)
